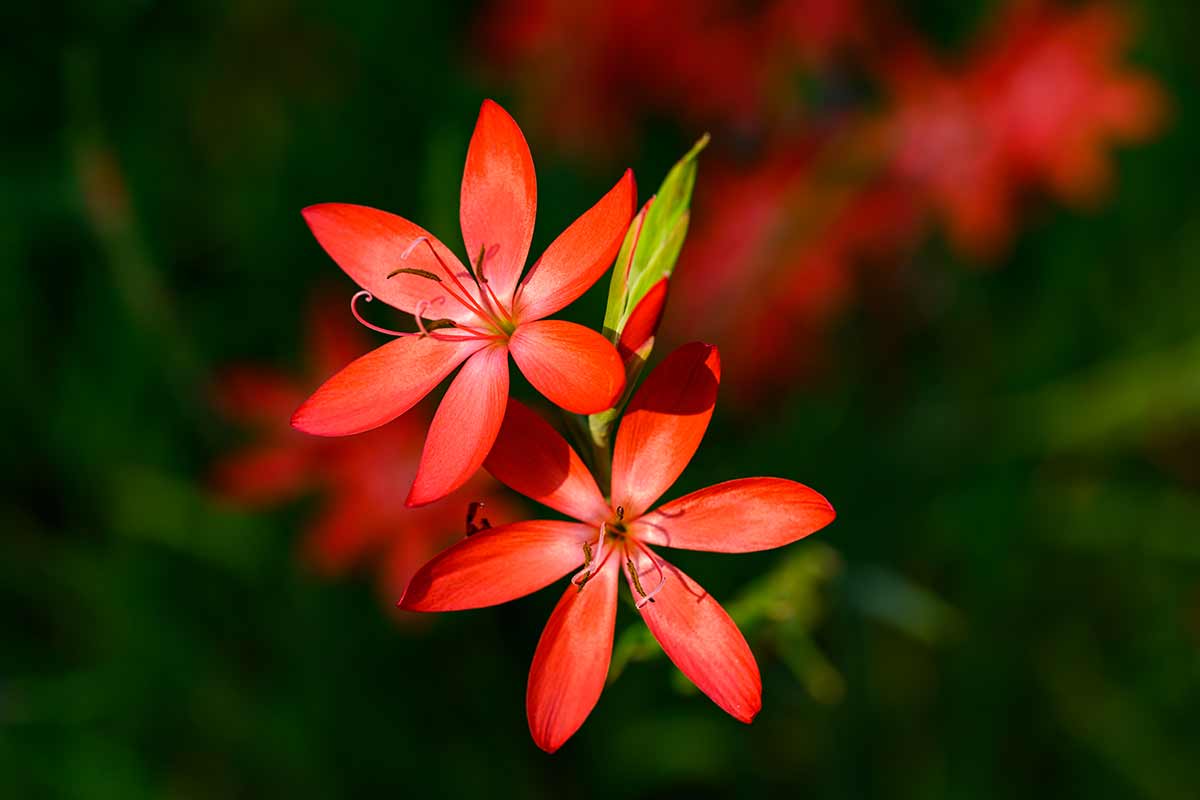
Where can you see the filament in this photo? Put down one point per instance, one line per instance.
(588, 572)
(466, 301)
(354, 310)
(484, 284)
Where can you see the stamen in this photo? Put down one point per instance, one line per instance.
(581, 578)
(427, 327)
(419, 313)
(488, 295)
(465, 301)
(621, 512)
(354, 310)
(633, 575)
(473, 510)
(479, 263)
(421, 273)
(647, 597)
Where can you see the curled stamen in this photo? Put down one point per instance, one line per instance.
(647, 597)
(354, 310)
(587, 573)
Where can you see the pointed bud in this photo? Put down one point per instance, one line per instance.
(643, 322)
(637, 294)
(652, 246)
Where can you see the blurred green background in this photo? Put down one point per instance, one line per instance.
(1008, 604)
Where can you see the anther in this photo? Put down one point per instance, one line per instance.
(466, 301)
(420, 273)
(647, 597)
(473, 510)
(621, 512)
(587, 554)
(479, 264)
(633, 574)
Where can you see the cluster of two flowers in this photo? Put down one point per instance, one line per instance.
(485, 313)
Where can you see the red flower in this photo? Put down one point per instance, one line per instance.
(484, 315)
(773, 259)
(361, 521)
(590, 69)
(658, 436)
(1036, 107)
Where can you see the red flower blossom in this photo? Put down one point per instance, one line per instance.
(361, 522)
(772, 260)
(592, 68)
(1037, 106)
(658, 436)
(484, 315)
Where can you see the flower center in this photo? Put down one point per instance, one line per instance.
(614, 535)
(498, 321)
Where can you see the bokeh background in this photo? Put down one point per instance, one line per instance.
(949, 251)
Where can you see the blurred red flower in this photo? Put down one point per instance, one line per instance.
(1036, 106)
(658, 436)
(772, 260)
(589, 69)
(364, 520)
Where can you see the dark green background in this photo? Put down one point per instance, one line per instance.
(1010, 594)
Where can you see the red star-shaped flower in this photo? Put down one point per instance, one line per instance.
(658, 436)
(483, 312)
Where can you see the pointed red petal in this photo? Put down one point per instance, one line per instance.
(464, 427)
(664, 425)
(532, 458)
(737, 517)
(700, 638)
(499, 198)
(571, 661)
(369, 244)
(573, 366)
(643, 321)
(380, 386)
(497, 565)
(580, 254)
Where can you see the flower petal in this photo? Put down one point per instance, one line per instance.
(369, 244)
(380, 386)
(737, 517)
(499, 198)
(571, 660)
(580, 254)
(464, 427)
(700, 638)
(663, 427)
(643, 320)
(573, 366)
(498, 565)
(532, 458)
